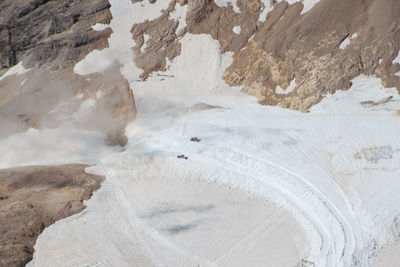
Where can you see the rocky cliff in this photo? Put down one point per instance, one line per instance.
(49, 38)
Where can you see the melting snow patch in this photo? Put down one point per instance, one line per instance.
(267, 8)
(346, 41)
(23, 82)
(397, 59)
(179, 14)
(286, 91)
(146, 38)
(16, 70)
(98, 27)
(236, 29)
(308, 5)
(224, 3)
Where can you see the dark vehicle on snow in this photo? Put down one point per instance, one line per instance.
(181, 156)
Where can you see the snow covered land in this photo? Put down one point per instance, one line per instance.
(266, 186)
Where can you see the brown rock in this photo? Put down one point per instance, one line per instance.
(162, 43)
(306, 47)
(32, 198)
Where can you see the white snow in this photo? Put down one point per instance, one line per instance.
(179, 14)
(251, 37)
(286, 91)
(99, 93)
(100, 27)
(236, 29)
(16, 70)
(125, 14)
(266, 9)
(308, 5)
(146, 37)
(397, 59)
(323, 171)
(347, 41)
(53, 146)
(224, 3)
(23, 82)
(364, 89)
(305, 163)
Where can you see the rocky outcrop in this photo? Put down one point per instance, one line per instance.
(156, 41)
(307, 49)
(49, 38)
(32, 198)
(206, 17)
(52, 33)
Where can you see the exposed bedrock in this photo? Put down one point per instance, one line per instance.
(306, 49)
(49, 38)
(32, 198)
(52, 33)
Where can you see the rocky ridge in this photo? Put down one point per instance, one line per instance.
(306, 56)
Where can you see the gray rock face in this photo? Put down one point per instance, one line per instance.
(52, 33)
(49, 38)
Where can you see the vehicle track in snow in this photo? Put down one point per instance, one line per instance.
(234, 167)
(140, 229)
